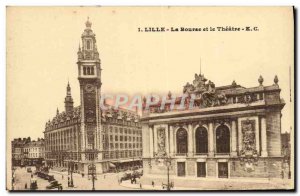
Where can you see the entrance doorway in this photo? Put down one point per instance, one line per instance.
(223, 169)
(201, 169)
(181, 168)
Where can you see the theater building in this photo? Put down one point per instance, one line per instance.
(81, 137)
(232, 131)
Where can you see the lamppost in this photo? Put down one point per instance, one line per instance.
(70, 171)
(92, 172)
(167, 160)
(92, 167)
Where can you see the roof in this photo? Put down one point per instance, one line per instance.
(120, 114)
(64, 116)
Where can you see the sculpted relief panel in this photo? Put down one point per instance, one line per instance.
(248, 153)
(161, 142)
(248, 131)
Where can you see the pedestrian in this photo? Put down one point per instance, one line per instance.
(82, 174)
(140, 185)
(25, 185)
(62, 176)
(153, 183)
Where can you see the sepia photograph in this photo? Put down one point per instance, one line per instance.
(169, 98)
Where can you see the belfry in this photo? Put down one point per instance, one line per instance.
(84, 137)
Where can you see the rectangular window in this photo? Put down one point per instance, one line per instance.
(201, 169)
(223, 169)
(181, 168)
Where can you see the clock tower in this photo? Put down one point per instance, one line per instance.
(89, 76)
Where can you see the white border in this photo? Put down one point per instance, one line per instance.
(5, 3)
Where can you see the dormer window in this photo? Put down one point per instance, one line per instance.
(88, 45)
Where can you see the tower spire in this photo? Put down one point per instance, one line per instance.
(68, 100)
(88, 51)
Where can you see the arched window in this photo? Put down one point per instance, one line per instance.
(181, 141)
(88, 71)
(92, 69)
(223, 139)
(88, 45)
(201, 140)
(84, 71)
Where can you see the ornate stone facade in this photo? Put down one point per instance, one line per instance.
(232, 131)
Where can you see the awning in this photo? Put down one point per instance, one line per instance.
(126, 160)
(112, 165)
(122, 161)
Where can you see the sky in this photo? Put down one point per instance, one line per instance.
(42, 44)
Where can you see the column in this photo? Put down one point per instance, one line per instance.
(233, 138)
(151, 141)
(190, 140)
(257, 134)
(240, 135)
(167, 140)
(154, 140)
(172, 152)
(210, 140)
(264, 152)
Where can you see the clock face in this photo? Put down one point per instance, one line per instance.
(89, 88)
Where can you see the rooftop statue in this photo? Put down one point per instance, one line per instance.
(205, 92)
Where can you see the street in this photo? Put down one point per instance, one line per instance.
(108, 181)
(22, 179)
